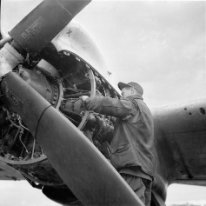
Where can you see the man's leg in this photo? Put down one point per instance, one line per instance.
(140, 186)
(148, 191)
(137, 185)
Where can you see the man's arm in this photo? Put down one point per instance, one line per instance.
(106, 105)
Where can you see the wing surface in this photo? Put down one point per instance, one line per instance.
(181, 143)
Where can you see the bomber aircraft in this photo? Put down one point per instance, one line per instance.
(48, 61)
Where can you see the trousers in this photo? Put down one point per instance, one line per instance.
(142, 187)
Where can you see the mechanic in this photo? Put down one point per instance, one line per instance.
(131, 148)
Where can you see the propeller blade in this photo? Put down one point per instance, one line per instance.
(44, 22)
(81, 166)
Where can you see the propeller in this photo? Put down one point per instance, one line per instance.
(81, 166)
(44, 22)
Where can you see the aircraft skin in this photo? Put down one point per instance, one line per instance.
(180, 131)
(180, 145)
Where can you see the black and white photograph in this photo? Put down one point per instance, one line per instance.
(102, 103)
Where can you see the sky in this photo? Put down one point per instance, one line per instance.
(160, 44)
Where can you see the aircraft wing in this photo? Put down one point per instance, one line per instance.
(182, 131)
(180, 145)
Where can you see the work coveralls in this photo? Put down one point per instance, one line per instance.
(131, 148)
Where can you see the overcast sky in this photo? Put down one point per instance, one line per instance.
(162, 45)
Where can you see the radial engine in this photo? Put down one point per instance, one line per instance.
(64, 70)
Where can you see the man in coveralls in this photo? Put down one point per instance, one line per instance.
(131, 148)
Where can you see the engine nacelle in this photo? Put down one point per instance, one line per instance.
(61, 73)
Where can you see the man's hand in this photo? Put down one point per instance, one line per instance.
(72, 105)
(83, 98)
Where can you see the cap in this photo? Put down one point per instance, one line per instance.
(135, 85)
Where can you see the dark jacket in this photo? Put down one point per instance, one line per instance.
(132, 143)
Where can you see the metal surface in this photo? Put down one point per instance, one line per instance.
(76, 39)
(180, 145)
(44, 22)
(183, 129)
